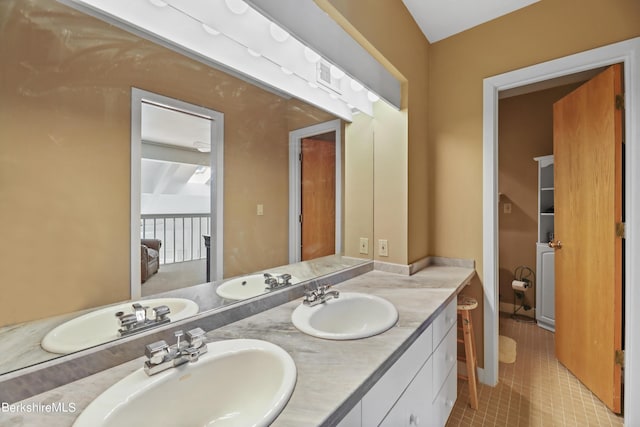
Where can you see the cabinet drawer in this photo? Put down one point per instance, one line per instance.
(414, 406)
(444, 358)
(382, 396)
(444, 401)
(444, 321)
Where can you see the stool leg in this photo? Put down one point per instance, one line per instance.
(469, 350)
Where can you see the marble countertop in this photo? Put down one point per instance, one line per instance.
(332, 375)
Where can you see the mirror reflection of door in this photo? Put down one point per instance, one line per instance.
(175, 199)
(318, 195)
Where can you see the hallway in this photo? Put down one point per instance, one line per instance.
(535, 391)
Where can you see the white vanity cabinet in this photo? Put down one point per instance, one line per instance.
(421, 386)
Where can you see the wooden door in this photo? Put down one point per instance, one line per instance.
(318, 174)
(587, 148)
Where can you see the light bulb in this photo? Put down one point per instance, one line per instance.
(210, 30)
(356, 86)
(158, 3)
(278, 33)
(311, 56)
(372, 96)
(336, 72)
(237, 6)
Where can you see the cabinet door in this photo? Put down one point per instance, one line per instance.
(545, 288)
(414, 408)
(548, 288)
(446, 398)
(382, 396)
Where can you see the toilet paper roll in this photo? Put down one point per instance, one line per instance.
(518, 285)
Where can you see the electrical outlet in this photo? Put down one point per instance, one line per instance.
(260, 210)
(383, 247)
(364, 245)
(507, 208)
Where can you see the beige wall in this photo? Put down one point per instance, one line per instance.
(358, 183)
(65, 97)
(442, 96)
(457, 66)
(388, 31)
(525, 131)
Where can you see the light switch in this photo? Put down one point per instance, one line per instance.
(260, 210)
(364, 245)
(383, 247)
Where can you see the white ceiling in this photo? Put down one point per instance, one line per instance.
(439, 19)
(166, 126)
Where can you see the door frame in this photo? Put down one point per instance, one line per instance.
(217, 191)
(295, 200)
(625, 52)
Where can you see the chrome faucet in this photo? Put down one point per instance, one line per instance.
(161, 356)
(139, 321)
(274, 281)
(318, 296)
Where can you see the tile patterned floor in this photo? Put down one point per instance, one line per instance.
(535, 391)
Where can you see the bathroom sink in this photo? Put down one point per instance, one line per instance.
(241, 382)
(245, 287)
(350, 316)
(102, 325)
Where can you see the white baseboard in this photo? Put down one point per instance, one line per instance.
(462, 370)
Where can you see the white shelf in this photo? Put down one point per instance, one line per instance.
(546, 195)
(545, 256)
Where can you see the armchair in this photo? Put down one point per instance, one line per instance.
(149, 257)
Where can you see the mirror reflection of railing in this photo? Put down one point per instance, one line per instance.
(180, 234)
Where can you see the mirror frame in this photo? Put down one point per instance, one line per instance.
(216, 159)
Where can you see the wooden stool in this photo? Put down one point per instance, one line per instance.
(465, 305)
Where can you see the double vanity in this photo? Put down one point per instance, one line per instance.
(368, 351)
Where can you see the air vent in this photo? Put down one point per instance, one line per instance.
(323, 76)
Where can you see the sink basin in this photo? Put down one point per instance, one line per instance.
(351, 316)
(241, 382)
(244, 287)
(101, 325)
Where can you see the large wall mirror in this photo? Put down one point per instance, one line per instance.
(71, 89)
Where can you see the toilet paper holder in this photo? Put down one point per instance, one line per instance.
(524, 277)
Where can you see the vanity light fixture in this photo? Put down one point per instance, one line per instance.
(239, 7)
(278, 33)
(237, 28)
(210, 30)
